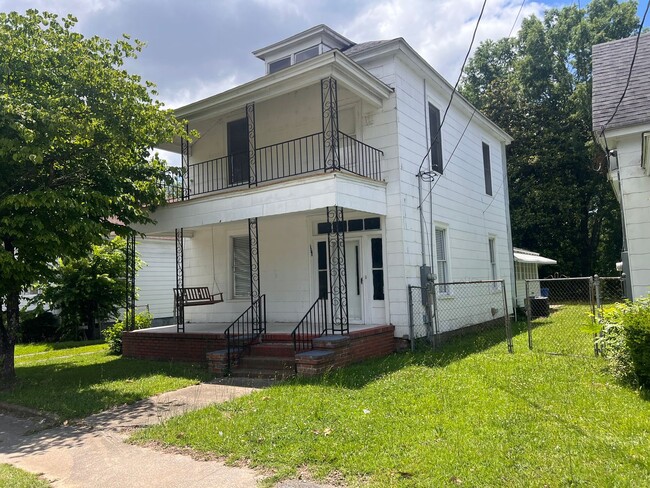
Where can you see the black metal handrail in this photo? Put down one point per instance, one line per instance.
(298, 156)
(313, 324)
(246, 329)
(359, 158)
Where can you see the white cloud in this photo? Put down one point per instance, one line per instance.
(195, 89)
(439, 31)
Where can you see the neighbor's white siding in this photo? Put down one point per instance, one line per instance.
(157, 279)
(635, 190)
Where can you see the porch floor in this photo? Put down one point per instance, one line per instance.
(220, 327)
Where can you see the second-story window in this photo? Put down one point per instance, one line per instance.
(487, 169)
(279, 64)
(308, 53)
(435, 139)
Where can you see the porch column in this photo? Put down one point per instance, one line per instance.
(330, 110)
(252, 155)
(254, 253)
(129, 303)
(338, 275)
(179, 292)
(185, 165)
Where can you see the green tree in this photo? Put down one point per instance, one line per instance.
(75, 136)
(88, 289)
(537, 87)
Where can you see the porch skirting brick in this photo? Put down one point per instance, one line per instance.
(189, 347)
(336, 351)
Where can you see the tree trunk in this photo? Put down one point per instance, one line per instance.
(8, 331)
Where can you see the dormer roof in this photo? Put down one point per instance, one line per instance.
(315, 35)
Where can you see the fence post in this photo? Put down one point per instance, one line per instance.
(411, 333)
(528, 317)
(433, 312)
(597, 315)
(506, 317)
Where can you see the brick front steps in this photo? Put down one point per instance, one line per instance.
(275, 358)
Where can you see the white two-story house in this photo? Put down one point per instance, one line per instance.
(302, 188)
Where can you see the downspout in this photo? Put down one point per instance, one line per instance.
(506, 198)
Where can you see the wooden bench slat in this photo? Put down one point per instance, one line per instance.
(198, 295)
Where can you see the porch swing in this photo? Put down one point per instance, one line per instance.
(200, 295)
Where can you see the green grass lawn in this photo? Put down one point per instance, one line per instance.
(564, 331)
(83, 378)
(11, 477)
(470, 414)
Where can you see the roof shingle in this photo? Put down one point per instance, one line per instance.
(611, 65)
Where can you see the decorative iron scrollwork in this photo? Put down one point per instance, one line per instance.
(252, 149)
(329, 102)
(180, 283)
(337, 269)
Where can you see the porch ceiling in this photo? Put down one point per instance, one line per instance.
(299, 195)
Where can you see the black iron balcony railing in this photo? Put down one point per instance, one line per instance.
(295, 157)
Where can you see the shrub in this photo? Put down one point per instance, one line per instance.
(626, 341)
(113, 333)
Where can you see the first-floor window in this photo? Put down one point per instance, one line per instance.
(493, 257)
(377, 256)
(321, 251)
(442, 258)
(241, 267)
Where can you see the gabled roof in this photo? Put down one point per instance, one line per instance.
(611, 64)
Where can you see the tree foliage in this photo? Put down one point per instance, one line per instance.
(89, 289)
(75, 136)
(537, 87)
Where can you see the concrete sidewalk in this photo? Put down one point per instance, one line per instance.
(93, 452)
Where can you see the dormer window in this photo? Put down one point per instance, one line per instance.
(308, 53)
(279, 64)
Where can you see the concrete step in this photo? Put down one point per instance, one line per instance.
(267, 362)
(266, 373)
(275, 349)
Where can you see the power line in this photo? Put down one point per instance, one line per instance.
(460, 75)
(517, 17)
(629, 74)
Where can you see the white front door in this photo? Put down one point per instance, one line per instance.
(354, 272)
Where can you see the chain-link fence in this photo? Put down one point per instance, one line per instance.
(562, 313)
(447, 310)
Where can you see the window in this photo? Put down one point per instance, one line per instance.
(308, 53)
(442, 257)
(354, 225)
(321, 254)
(241, 267)
(487, 170)
(645, 152)
(279, 64)
(377, 268)
(493, 257)
(435, 139)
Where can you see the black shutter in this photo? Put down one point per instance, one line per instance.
(435, 139)
(487, 170)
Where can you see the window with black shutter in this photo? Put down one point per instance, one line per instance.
(487, 170)
(435, 139)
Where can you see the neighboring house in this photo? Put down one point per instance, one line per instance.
(303, 186)
(157, 278)
(624, 132)
(526, 268)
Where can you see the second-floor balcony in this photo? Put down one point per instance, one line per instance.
(312, 153)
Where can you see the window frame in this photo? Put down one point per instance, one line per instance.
(492, 258)
(234, 270)
(435, 153)
(645, 152)
(271, 71)
(487, 168)
(442, 264)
